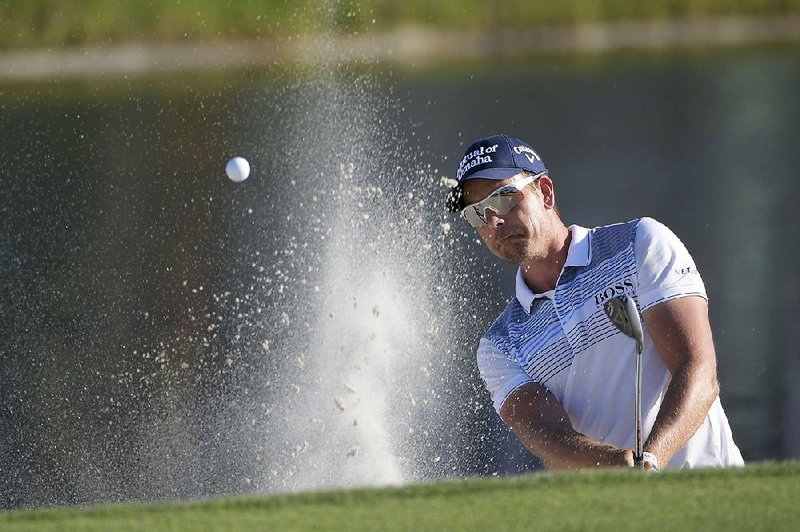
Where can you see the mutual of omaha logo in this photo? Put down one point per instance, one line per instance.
(474, 158)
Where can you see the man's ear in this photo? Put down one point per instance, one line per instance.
(548, 191)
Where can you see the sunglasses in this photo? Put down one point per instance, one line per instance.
(501, 201)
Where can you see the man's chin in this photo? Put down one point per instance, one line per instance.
(510, 253)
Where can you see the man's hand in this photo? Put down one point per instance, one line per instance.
(649, 462)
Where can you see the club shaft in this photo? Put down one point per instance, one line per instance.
(638, 407)
(624, 314)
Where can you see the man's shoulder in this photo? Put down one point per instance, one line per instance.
(513, 313)
(608, 241)
(631, 227)
(623, 234)
(619, 227)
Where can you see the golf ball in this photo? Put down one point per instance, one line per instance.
(237, 169)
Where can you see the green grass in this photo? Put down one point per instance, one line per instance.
(759, 497)
(56, 23)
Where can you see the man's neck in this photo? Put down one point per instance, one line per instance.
(541, 275)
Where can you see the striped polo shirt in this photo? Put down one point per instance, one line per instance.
(563, 340)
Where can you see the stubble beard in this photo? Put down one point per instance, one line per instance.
(528, 247)
(516, 252)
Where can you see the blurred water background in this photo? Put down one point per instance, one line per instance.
(167, 333)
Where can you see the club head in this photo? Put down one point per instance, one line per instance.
(624, 315)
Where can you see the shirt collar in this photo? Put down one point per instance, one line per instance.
(579, 254)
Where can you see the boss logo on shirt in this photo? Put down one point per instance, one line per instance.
(619, 289)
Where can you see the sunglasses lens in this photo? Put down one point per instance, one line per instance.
(501, 202)
(474, 216)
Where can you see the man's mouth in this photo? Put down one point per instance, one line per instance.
(510, 236)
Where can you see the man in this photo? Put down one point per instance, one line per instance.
(561, 376)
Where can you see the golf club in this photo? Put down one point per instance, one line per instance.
(624, 315)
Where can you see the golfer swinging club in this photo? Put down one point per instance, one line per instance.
(560, 374)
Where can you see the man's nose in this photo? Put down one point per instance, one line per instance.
(493, 220)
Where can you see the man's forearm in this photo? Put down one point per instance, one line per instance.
(688, 398)
(568, 449)
(544, 428)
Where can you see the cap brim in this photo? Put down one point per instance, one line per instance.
(498, 174)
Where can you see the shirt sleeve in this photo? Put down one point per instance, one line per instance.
(500, 374)
(665, 268)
